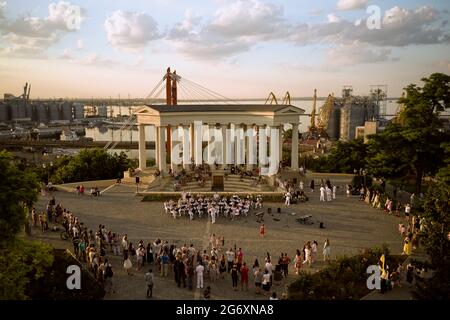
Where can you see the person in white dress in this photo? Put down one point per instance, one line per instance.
(326, 251)
(328, 192)
(334, 191)
(288, 199)
(322, 193)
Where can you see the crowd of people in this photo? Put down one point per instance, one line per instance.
(197, 207)
(190, 266)
(409, 227)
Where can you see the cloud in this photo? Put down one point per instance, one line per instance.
(356, 53)
(235, 28)
(351, 4)
(97, 60)
(248, 19)
(31, 36)
(131, 30)
(399, 28)
(185, 28)
(333, 18)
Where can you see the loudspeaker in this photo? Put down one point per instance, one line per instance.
(321, 226)
(279, 210)
(269, 210)
(137, 180)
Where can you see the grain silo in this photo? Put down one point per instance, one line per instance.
(41, 112)
(53, 111)
(78, 111)
(333, 122)
(353, 114)
(4, 113)
(66, 111)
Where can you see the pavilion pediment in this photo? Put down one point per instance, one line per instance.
(289, 110)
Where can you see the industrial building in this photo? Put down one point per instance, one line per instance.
(22, 109)
(349, 117)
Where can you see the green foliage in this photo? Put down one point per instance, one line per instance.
(359, 181)
(412, 144)
(52, 286)
(17, 190)
(343, 158)
(343, 279)
(20, 263)
(90, 164)
(434, 238)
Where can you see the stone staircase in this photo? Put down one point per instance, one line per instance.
(232, 183)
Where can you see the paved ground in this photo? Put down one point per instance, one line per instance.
(350, 225)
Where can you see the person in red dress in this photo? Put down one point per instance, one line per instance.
(262, 231)
(244, 277)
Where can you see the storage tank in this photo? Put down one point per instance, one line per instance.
(66, 111)
(353, 114)
(53, 111)
(78, 111)
(41, 112)
(333, 122)
(13, 109)
(29, 109)
(21, 109)
(4, 113)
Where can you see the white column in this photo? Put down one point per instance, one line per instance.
(274, 150)
(294, 148)
(191, 142)
(224, 146)
(262, 146)
(186, 147)
(156, 146)
(142, 149)
(251, 147)
(281, 142)
(210, 144)
(198, 131)
(174, 147)
(229, 147)
(240, 155)
(162, 148)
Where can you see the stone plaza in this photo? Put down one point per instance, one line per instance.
(350, 225)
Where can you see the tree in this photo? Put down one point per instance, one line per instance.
(90, 164)
(20, 261)
(412, 146)
(435, 239)
(343, 158)
(18, 190)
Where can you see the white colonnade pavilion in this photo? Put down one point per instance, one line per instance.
(249, 135)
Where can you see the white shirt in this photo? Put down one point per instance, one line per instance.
(199, 270)
(269, 267)
(266, 278)
(230, 256)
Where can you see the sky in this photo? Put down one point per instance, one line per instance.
(238, 48)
